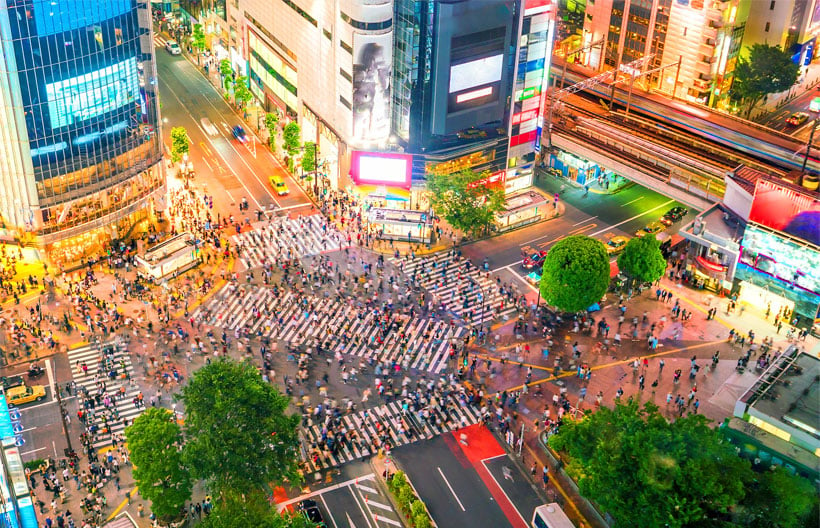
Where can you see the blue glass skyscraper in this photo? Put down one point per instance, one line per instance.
(79, 139)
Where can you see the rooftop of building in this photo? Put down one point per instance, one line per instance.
(789, 392)
(746, 177)
(719, 222)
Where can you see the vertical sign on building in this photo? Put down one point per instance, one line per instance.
(372, 83)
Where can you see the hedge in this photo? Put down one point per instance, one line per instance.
(412, 507)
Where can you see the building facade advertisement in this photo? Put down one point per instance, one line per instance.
(786, 210)
(372, 84)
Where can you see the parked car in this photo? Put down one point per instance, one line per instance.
(279, 185)
(797, 118)
(22, 394)
(616, 244)
(536, 260)
(650, 229)
(7, 382)
(173, 48)
(240, 134)
(310, 509)
(673, 215)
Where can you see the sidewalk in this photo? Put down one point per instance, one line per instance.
(597, 186)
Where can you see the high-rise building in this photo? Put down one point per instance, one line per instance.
(704, 36)
(455, 83)
(79, 144)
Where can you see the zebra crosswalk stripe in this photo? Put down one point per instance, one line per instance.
(305, 236)
(431, 273)
(90, 356)
(394, 422)
(259, 311)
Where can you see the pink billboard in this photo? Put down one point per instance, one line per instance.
(792, 212)
(381, 168)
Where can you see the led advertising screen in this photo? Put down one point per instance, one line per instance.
(57, 16)
(378, 168)
(84, 97)
(782, 258)
(786, 210)
(476, 73)
(372, 83)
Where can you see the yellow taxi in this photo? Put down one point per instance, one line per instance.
(22, 394)
(279, 185)
(616, 244)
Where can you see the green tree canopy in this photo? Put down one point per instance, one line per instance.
(467, 206)
(778, 499)
(642, 259)
(155, 442)
(648, 472)
(309, 157)
(198, 38)
(225, 68)
(271, 120)
(234, 509)
(180, 143)
(575, 274)
(239, 436)
(767, 70)
(291, 136)
(241, 92)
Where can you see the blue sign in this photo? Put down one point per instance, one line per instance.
(6, 429)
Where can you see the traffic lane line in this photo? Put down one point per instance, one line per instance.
(122, 505)
(447, 482)
(281, 505)
(490, 473)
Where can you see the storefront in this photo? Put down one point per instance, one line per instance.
(518, 179)
(523, 209)
(381, 196)
(574, 168)
(401, 224)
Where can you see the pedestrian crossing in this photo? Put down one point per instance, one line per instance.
(285, 237)
(388, 423)
(109, 363)
(462, 288)
(342, 326)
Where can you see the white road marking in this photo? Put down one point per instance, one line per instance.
(359, 504)
(367, 489)
(633, 218)
(484, 463)
(32, 451)
(632, 201)
(281, 506)
(51, 378)
(329, 513)
(582, 221)
(451, 489)
(349, 520)
(371, 502)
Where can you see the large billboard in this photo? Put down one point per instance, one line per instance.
(790, 211)
(781, 258)
(476, 72)
(80, 98)
(372, 84)
(381, 168)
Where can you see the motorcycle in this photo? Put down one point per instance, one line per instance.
(35, 371)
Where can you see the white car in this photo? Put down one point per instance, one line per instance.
(173, 48)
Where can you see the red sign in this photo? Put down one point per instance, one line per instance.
(523, 117)
(787, 210)
(493, 180)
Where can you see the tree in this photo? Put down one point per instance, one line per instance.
(291, 137)
(234, 509)
(465, 203)
(180, 143)
(198, 40)
(241, 92)
(767, 70)
(309, 157)
(238, 434)
(575, 274)
(226, 71)
(642, 259)
(155, 442)
(778, 499)
(646, 471)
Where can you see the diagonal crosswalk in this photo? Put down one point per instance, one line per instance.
(420, 343)
(462, 288)
(285, 237)
(361, 434)
(107, 371)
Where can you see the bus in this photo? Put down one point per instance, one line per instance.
(550, 516)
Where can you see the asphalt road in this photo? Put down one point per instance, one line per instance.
(448, 481)
(597, 215)
(225, 168)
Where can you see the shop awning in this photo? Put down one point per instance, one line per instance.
(613, 269)
(708, 265)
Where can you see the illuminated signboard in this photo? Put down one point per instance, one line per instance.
(495, 179)
(80, 98)
(372, 68)
(6, 429)
(792, 212)
(781, 258)
(16, 472)
(381, 168)
(476, 94)
(478, 72)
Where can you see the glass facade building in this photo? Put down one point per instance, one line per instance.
(78, 122)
